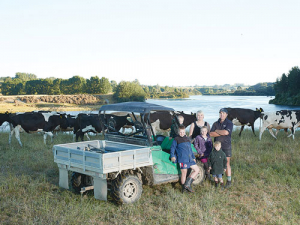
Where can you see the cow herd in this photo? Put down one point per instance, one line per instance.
(47, 122)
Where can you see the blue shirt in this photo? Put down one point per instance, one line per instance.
(181, 149)
(224, 139)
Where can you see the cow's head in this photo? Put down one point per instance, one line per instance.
(63, 122)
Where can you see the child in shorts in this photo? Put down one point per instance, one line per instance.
(217, 163)
(181, 152)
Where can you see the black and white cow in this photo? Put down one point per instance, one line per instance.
(282, 119)
(243, 117)
(71, 121)
(36, 121)
(162, 121)
(117, 122)
(188, 118)
(4, 117)
(86, 123)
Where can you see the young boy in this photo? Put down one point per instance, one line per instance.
(217, 163)
(203, 145)
(174, 127)
(181, 152)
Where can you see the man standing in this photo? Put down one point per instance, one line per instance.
(221, 131)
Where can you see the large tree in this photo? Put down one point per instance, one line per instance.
(74, 85)
(41, 86)
(13, 87)
(98, 86)
(26, 76)
(129, 91)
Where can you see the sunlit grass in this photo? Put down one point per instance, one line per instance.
(265, 189)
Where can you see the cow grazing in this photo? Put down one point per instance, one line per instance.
(36, 121)
(282, 119)
(86, 123)
(243, 117)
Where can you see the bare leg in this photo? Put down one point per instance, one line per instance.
(183, 175)
(228, 170)
(195, 171)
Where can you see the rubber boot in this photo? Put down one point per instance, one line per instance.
(228, 184)
(216, 184)
(183, 190)
(207, 176)
(222, 185)
(188, 184)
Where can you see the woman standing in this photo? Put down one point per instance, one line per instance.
(196, 126)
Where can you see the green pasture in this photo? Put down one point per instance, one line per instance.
(266, 189)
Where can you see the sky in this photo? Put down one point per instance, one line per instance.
(164, 42)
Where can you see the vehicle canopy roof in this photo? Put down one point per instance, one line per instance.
(139, 107)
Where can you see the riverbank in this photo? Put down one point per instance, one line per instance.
(285, 99)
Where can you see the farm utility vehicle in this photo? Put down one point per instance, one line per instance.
(120, 164)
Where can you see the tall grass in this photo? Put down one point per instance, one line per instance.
(265, 189)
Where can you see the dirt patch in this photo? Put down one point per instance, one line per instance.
(26, 103)
(82, 99)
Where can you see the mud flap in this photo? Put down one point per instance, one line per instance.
(63, 177)
(100, 188)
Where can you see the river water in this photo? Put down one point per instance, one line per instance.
(210, 105)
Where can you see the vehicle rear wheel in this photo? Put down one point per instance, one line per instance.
(126, 189)
(77, 181)
(200, 176)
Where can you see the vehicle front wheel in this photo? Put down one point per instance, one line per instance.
(126, 189)
(200, 176)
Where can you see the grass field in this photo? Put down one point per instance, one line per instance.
(266, 189)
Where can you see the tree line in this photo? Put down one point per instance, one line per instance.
(29, 84)
(260, 89)
(287, 88)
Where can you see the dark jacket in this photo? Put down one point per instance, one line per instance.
(181, 149)
(202, 146)
(174, 129)
(217, 161)
(224, 139)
